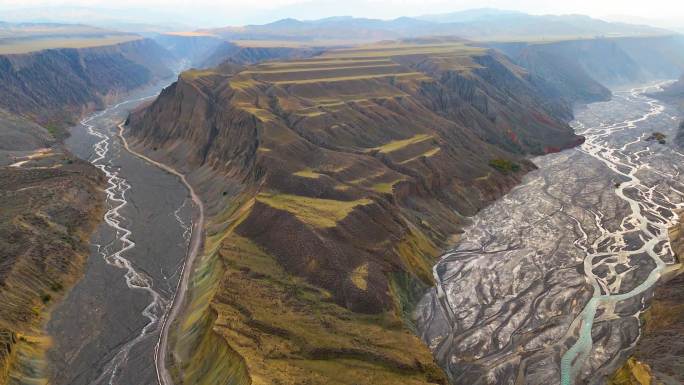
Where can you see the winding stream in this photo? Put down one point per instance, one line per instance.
(548, 284)
(107, 329)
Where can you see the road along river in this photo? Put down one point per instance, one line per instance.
(547, 285)
(107, 329)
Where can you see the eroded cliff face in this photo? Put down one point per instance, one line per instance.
(54, 87)
(333, 183)
(582, 68)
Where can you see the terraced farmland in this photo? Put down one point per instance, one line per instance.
(323, 87)
(365, 62)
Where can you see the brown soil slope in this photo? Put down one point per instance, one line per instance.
(51, 197)
(333, 184)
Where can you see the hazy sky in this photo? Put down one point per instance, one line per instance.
(238, 12)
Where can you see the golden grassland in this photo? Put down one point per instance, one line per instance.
(308, 173)
(290, 332)
(284, 69)
(402, 49)
(260, 113)
(313, 211)
(427, 154)
(347, 78)
(417, 253)
(399, 144)
(375, 61)
(328, 82)
(632, 373)
(195, 73)
(359, 276)
(248, 321)
(385, 188)
(199, 354)
(38, 44)
(322, 62)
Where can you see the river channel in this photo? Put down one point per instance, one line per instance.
(547, 285)
(107, 329)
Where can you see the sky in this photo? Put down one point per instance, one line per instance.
(213, 13)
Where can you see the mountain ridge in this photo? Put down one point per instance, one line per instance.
(343, 174)
(475, 26)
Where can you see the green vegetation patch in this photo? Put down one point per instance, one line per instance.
(658, 137)
(505, 166)
(632, 373)
(417, 253)
(313, 211)
(386, 188)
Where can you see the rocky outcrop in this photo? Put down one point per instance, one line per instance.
(54, 87)
(478, 99)
(332, 184)
(566, 77)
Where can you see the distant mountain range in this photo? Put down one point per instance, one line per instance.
(474, 24)
(477, 24)
(129, 20)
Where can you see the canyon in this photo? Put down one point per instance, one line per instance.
(52, 199)
(307, 193)
(278, 144)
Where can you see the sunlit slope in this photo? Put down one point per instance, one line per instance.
(333, 183)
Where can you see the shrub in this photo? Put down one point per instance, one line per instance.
(504, 165)
(56, 286)
(657, 136)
